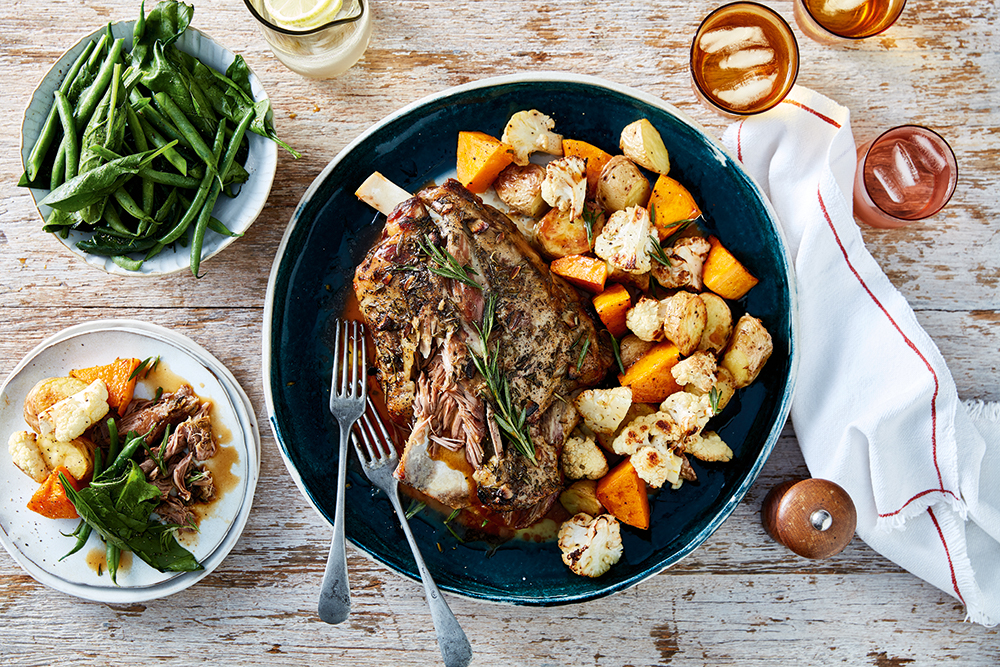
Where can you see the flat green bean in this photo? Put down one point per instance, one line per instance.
(177, 117)
(70, 144)
(90, 97)
(171, 155)
(48, 132)
(139, 137)
(58, 176)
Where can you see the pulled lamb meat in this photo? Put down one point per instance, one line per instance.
(175, 468)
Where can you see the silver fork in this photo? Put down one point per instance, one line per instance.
(348, 392)
(379, 460)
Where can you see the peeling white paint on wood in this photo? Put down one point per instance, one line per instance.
(740, 599)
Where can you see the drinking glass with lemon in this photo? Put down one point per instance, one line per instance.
(315, 38)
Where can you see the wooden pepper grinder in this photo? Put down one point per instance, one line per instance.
(815, 518)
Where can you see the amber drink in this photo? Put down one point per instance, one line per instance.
(835, 20)
(744, 59)
(907, 174)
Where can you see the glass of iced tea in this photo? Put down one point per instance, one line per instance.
(744, 59)
(324, 44)
(830, 21)
(906, 174)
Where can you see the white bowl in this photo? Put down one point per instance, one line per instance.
(236, 213)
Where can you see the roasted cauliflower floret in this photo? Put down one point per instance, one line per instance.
(565, 184)
(645, 319)
(24, 452)
(624, 241)
(698, 370)
(583, 459)
(37, 456)
(725, 389)
(708, 446)
(688, 412)
(687, 258)
(70, 417)
(520, 187)
(604, 409)
(656, 466)
(528, 132)
(589, 545)
(581, 496)
(657, 430)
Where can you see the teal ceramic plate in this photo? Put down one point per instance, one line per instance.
(331, 231)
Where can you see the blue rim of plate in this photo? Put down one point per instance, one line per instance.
(330, 231)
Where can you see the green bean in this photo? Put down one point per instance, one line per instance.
(166, 207)
(130, 206)
(213, 223)
(149, 113)
(58, 176)
(139, 137)
(48, 132)
(117, 467)
(174, 113)
(170, 180)
(199, 199)
(70, 144)
(113, 554)
(171, 155)
(90, 97)
(110, 216)
(82, 534)
(113, 443)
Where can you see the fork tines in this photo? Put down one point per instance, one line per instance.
(373, 434)
(350, 361)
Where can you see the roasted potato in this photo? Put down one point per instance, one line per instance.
(581, 496)
(748, 351)
(47, 393)
(70, 417)
(642, 144)
(622, 185)
(638, 281)
(718, 323)
(684, 321)
(631, 348)
(559, 235)
(38, 455)
(520, 187)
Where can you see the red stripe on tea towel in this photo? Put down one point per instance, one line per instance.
(911, 345)
(947, 553)
(813, 112)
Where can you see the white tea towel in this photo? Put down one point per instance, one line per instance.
(875, 409)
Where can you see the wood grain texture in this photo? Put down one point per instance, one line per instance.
(740, 599)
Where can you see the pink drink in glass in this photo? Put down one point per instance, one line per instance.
(909, 173)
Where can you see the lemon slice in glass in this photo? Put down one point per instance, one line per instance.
(302, 14)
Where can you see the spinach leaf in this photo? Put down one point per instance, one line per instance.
(165, 24)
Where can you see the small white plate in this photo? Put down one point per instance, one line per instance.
(37, 544)
(236, 213)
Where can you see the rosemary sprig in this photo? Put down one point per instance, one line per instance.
(454, 514)
(583, 354)
(590, 217)
(681, 226)
(713, 396)
(658, 253)
(415, 508)
(444, 264)
(510, 420)
(149, 362)
(617, 351)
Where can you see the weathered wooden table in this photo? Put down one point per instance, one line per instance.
(740, 598)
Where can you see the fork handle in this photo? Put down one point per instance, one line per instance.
(454, 645)
(335, 594)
